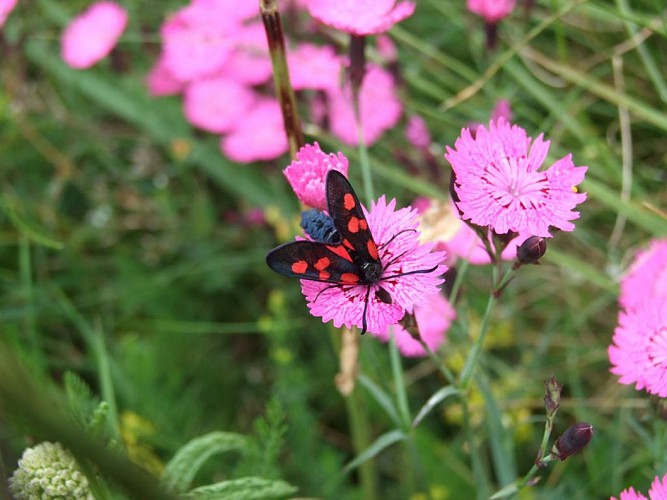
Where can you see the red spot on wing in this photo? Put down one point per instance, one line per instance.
(349, 278)
(348, 245)
(372, 249)
(300, 267)
(353, 225)
(349, 202)
(324, 275)
(322, 264)
(341, 251)
(362, 224)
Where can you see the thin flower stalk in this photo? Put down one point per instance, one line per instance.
(281, 78)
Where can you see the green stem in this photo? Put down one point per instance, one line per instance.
(281, 79)
(476, 350)
(360, 431)
(25, 271)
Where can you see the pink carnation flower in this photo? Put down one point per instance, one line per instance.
(647, 277)
(91, 35)
(433, 318)
(314, 67)
(658, 491)
(366, 17)
(379, 104)
(217, 104)
(6, 7)
(499, 185)
(249, 62)
(639, 349)
(394, 232)
(306, 174)
(491, 10)
(259, 135)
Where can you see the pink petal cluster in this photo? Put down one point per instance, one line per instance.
(380, 107)
(646, 280)
(314, 67)
(91, 35)
(6, 7)
(368, 17)
(638, 353)
(307, 173)
(491, 10)
(394, 232)
(417, 133)
(500, 185)
(433, 318)
(658, 491)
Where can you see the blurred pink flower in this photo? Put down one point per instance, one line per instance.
(491, 10)
(197, 40)
(503, 109)
(416, 132)
(366, 17)
(440, 223)
(259, 135)
(499, 185)
(308, 172)
(314, 67)
(161, 82)
(249, 62)
(91, 35)
(386, 48)
(400, 252)
(658, 491)
(379, 105)
(639, 349)
(217, 104)
(433, 318)
(6, 7)
(647, 277)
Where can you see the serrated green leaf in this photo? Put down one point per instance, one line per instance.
(246, 488)
(438, 397)
(384, 441)
(182, 468)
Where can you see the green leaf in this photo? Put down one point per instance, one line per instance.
(438, 397)
(505, 491)
(246, 488)
(182, 468)
(381, 398)
(384, 441)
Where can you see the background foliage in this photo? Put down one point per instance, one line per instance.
(126, 256)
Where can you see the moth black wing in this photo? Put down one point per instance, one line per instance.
(315, 261)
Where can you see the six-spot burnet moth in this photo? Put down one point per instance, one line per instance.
(345, 253)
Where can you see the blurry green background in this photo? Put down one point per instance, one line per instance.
(120, 222)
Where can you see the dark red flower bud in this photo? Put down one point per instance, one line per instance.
(552, 396)
(573, 440)
(531, 250)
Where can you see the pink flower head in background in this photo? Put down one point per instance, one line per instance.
(639, 349)
(647, 277)
(433, 318)
(308, 172)
(416, 132)
(491, 10)
(440, 223)
(6, 7)
(259, 136)
(401, 252)
(658, 491)
(502, 109)
(314, 67)
(499, 185)
(380, 107)
(199, 38)
(217, 104)
(91, 35)
(368, 17)
(161, 82)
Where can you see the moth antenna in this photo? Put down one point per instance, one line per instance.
(418, 271)
(363, 317)
(397, 234)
